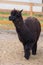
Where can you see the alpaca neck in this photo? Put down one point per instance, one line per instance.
(19, 23)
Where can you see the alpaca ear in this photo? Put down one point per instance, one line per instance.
(21, 11)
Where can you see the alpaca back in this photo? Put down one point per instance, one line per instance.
(33, 24)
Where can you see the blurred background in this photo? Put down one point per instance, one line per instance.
(30, 8)
(11, 49)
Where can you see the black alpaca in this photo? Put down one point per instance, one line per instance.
(28, 31)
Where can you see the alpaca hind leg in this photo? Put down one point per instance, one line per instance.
(34, 49)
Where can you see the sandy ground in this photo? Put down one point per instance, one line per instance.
(12, 53)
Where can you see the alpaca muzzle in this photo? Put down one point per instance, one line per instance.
(11, 18)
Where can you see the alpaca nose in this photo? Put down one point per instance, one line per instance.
(10, 18)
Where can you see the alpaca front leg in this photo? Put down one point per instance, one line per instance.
(27, 52)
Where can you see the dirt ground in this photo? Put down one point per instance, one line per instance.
(12, 53)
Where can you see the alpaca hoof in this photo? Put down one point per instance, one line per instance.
(27, 57)
(33, 53)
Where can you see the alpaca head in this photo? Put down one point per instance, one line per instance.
(15, 15)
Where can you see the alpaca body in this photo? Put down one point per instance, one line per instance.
(28, 31)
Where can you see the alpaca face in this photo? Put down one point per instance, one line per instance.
(15, 15)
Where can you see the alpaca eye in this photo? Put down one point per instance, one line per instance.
(18, 15)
